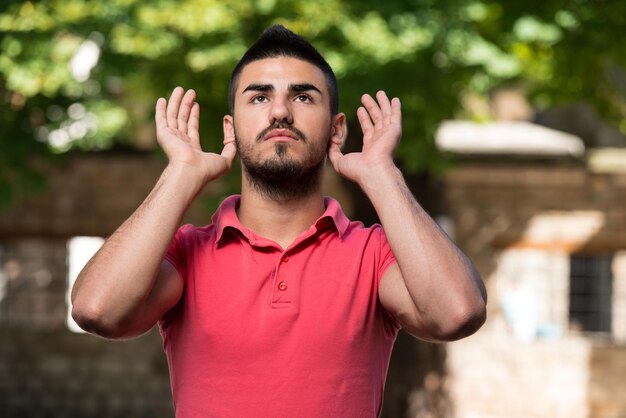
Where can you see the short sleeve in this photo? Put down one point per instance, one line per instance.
(386, 258)
(179, 248)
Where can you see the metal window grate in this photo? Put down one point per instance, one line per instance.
(590, 294)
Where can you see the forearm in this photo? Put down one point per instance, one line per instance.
(119, 278)
(444, 286)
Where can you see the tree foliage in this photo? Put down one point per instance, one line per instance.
(84, 74)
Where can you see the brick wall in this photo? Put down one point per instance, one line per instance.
(45, 369)
(61, 374)
(92, 194)
(48, 371)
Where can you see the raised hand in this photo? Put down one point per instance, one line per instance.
(177, 123)
(382, 128)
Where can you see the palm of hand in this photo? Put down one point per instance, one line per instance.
(177, 123)
(382, 128)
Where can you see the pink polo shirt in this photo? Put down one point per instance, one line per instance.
(265, 332)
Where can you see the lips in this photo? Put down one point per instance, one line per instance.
(281, 134)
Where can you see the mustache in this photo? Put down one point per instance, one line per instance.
(298, 134)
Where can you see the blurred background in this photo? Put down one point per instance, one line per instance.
(514, 140)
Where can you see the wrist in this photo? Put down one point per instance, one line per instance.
(380, 176)
(184, 177)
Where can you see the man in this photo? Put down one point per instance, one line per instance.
(281, 307)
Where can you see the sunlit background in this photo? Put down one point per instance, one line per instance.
(514, 140)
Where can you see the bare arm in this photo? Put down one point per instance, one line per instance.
(434, 289)
(127, 286)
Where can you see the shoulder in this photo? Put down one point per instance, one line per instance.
(356, 229)
(189, 234)
(189, 230)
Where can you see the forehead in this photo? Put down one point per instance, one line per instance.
(281, 72)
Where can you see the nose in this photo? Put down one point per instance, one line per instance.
(281, 111)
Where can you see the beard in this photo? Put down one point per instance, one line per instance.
(281, 177)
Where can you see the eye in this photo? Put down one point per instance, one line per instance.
(303, 98)
(259, 99)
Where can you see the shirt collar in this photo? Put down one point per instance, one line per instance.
(226, 217)
(335, 213)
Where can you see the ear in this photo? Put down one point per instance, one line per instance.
(228, 125)
(339, 130)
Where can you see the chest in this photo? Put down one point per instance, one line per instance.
(320, 296)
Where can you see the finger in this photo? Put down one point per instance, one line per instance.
(396, 110)
(229, 137)
(366, 123)
(385, 106)
(172, 107)
(372, 108)
(193, 125)
(228, 152)
(184, 110)
(159, 114)
(334, 155)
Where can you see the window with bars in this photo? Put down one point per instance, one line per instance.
(591, 293)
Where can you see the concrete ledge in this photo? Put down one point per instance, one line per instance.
(607, 160)
(510, 138)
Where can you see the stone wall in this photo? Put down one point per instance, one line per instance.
(520, 221)
(495, 377)
(607, 384)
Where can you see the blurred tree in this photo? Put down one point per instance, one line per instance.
(84, 74)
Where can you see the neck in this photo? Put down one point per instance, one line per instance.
(279, 220)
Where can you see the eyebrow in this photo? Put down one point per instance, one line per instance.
(259, 87)
(303, 87)
(293, 88)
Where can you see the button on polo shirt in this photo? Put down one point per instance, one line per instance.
(270, 332)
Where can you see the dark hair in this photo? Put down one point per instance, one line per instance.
(278, 41)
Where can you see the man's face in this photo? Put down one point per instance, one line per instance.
(282, 118)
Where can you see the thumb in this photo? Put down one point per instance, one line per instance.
(334, 155)
(229, 151)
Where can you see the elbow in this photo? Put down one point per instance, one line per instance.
(94, 320)
(464, 321)
(455, 325)
(469, 314)
(89, 318)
